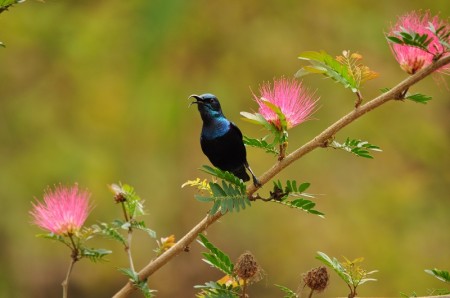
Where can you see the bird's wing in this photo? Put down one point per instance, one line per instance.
(227, 151)
(236, 129)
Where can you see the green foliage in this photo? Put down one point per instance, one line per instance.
(349, 271)
(224, 175)
(133, 207)
(77, 245)
(419, 98)
(140, 225)
(5, 4)
(54, 237)
(281, 195)
(139, 284)
(357, 147)
(214, 289)
(422, 41)
(278, 130)
(335, 265)
(279, 134)
(441, 33)
(262, 144)
(258, 119)
(276, 110)
(288, 293)
(229, 196)
(439, 274)
(413, 39)
(125, 194)
(215, 257)
(346, 69)
(416, 97)
(95, 255)
(219, 260)
(110, 231)
(438, 292)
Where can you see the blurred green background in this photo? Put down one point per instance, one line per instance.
(95, 92)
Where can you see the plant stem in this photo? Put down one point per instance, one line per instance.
(317, 142)
(65, 283)
(244, 289)
(124, 211)
(129, 237)
(73, 259)
(128, 248)
(311, 293)
(282, 154)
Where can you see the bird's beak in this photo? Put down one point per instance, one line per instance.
(199, 99)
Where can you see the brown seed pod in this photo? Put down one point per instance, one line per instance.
(317, 279)
(247, 268)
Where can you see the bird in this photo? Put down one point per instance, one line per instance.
(221, 140)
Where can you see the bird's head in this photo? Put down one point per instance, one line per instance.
(208, 105)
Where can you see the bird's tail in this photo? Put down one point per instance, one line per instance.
(241, 173)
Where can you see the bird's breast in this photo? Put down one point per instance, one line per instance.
(216, 129)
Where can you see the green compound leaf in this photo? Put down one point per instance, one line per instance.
(358, 147)
(350, 271)
(282, 195)
(416, 97)
(110, 232)
(6, 4)
(439, 274)
(228, 198)
(419, 98)
(53, 236)
(224, 175)
(276, 110)
(262, 144)
(345, 69)
(95, 255)
(413, 39)
(215, 257)
(140, 225)
(334, 264)
(139, 284)
(288, 293)
(214, 289)
(131, 201)
(279, 135)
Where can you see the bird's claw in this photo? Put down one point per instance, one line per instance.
(256, 182)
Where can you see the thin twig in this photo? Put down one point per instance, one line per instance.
(244, 289)
(73, 259)
(315, 143)
(65, 283)
(128, 249)
(129, 237)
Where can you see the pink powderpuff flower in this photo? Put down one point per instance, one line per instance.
(294, 101)
(413, 59)
(63, 211)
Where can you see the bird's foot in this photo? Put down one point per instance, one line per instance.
(256, 182)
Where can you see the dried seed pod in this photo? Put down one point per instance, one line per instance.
(247, 268)
(317, 279)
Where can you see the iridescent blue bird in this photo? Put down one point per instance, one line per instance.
(221, 140)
